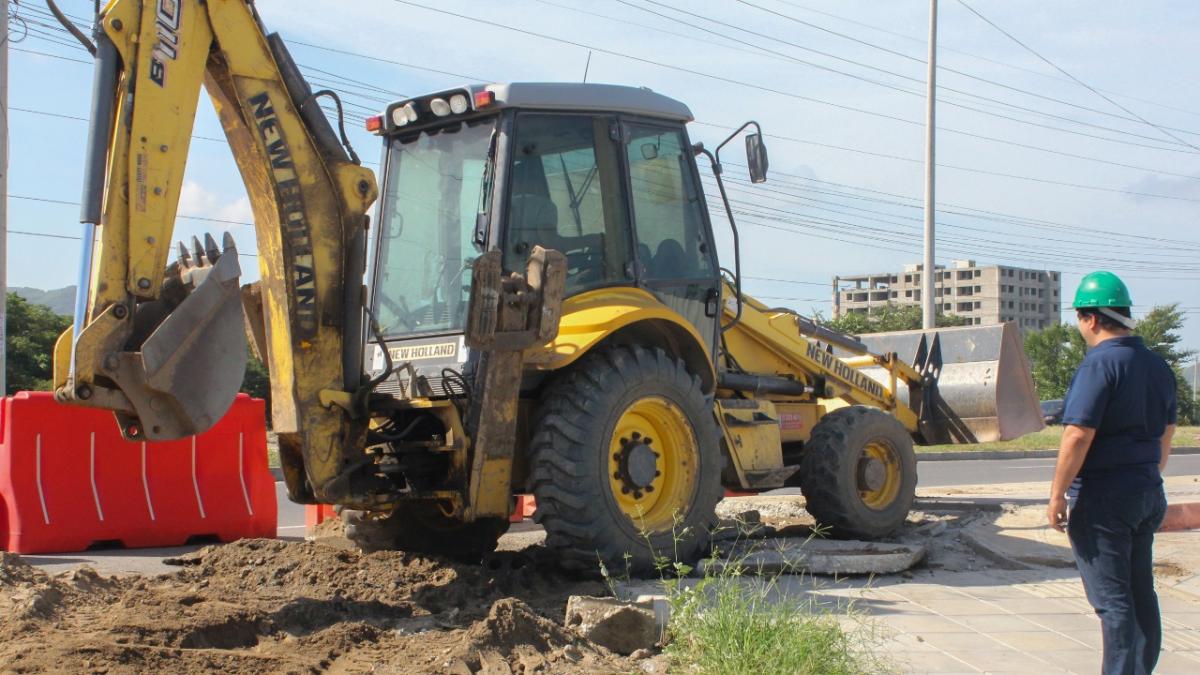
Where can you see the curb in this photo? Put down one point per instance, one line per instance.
(277, 473)
(1013, 454)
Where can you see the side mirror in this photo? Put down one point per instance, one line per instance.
(756, 158)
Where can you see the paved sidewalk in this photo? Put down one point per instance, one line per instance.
(1034, 621)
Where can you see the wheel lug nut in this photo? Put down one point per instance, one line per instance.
(649, 488)
(624, 489)
(647, 440)
(657, 474)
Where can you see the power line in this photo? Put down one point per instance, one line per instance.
(1005, 64)
(1074, 79)
(781, 137)
(986, 172)
(906, 77)
(972, 76)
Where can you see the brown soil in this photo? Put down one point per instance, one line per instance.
(262, 606)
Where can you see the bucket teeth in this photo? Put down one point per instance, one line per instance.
(197, 252)
(210, 248)
(185, 259)
(228, 244)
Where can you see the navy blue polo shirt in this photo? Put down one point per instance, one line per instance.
(1127, 394)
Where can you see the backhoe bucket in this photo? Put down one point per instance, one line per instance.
(187, 371)
(984, 390)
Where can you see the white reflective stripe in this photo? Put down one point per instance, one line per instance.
(95, 492)
(146, 483)
(196, 483)
(242, 475)
(41, 494)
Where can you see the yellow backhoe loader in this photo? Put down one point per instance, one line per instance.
(544, 310)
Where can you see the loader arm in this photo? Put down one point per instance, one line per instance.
(165, 350)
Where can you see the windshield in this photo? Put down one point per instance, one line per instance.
(436, 186)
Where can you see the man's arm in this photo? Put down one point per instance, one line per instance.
(1072, 450)
(1166, 447)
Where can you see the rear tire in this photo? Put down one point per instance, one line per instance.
(859, 473)
(626, 462)
(421, 528)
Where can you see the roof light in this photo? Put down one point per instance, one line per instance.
(484, 98)
(458, 104)
(439, 107)
(410, 111)
(398, 117)
(374, 123)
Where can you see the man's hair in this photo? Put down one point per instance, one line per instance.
(1105, 322)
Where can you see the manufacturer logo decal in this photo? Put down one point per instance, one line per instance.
(166, 47)
(292, 216)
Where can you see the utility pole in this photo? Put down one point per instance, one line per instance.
(928, 313)
(3, 195)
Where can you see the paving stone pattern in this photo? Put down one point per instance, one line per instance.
(1005, 621)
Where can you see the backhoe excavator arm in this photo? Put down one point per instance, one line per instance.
(166, 349)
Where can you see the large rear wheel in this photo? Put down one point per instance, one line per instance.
(859, 473)
(626, 462)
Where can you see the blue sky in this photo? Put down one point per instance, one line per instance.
(836, 85)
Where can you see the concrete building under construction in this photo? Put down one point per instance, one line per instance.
(986, 295)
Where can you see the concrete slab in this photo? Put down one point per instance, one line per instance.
(799, 555)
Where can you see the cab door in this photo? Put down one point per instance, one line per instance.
(676, 258)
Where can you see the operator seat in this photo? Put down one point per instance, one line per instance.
(532, 220)
(670, 261)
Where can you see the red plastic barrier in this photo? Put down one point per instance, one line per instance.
(314, 515)
(524, 508)
(1181, 517)
(68, 480)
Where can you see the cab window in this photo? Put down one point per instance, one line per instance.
(565, 194)
(667, 205)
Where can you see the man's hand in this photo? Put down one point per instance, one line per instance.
(1056, 513)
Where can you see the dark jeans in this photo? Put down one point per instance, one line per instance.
(1112, 536)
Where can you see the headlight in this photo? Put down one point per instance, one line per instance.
(439, 107)
(458, 104)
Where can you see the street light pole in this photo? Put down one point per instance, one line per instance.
(928, 314)
(3, 196)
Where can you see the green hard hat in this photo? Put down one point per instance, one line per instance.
(1102, 289)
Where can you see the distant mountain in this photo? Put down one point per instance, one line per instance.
(59, 300)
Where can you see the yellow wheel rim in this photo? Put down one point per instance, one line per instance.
(879, 474)
(652, 463)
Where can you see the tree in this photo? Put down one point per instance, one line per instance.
(887, 318)
(1054, 355)
(32, 330)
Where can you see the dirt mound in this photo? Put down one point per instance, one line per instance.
(263, 606)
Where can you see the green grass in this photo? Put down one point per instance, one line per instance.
(729, 625)
(1047, 439)
(732, 621)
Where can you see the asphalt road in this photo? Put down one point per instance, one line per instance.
(991, 471)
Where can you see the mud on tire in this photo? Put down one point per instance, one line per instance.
(831, 473)
(578, 500)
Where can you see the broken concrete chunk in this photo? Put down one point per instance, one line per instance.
(622, 627)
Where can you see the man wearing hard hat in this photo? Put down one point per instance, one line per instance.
(1118, 417)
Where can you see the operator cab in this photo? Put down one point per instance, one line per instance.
(602, 173)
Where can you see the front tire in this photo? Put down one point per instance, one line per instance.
(859, 473)
(626, 462)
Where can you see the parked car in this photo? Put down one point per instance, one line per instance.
(1052, 411)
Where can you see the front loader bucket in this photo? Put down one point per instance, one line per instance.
(984, 390)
